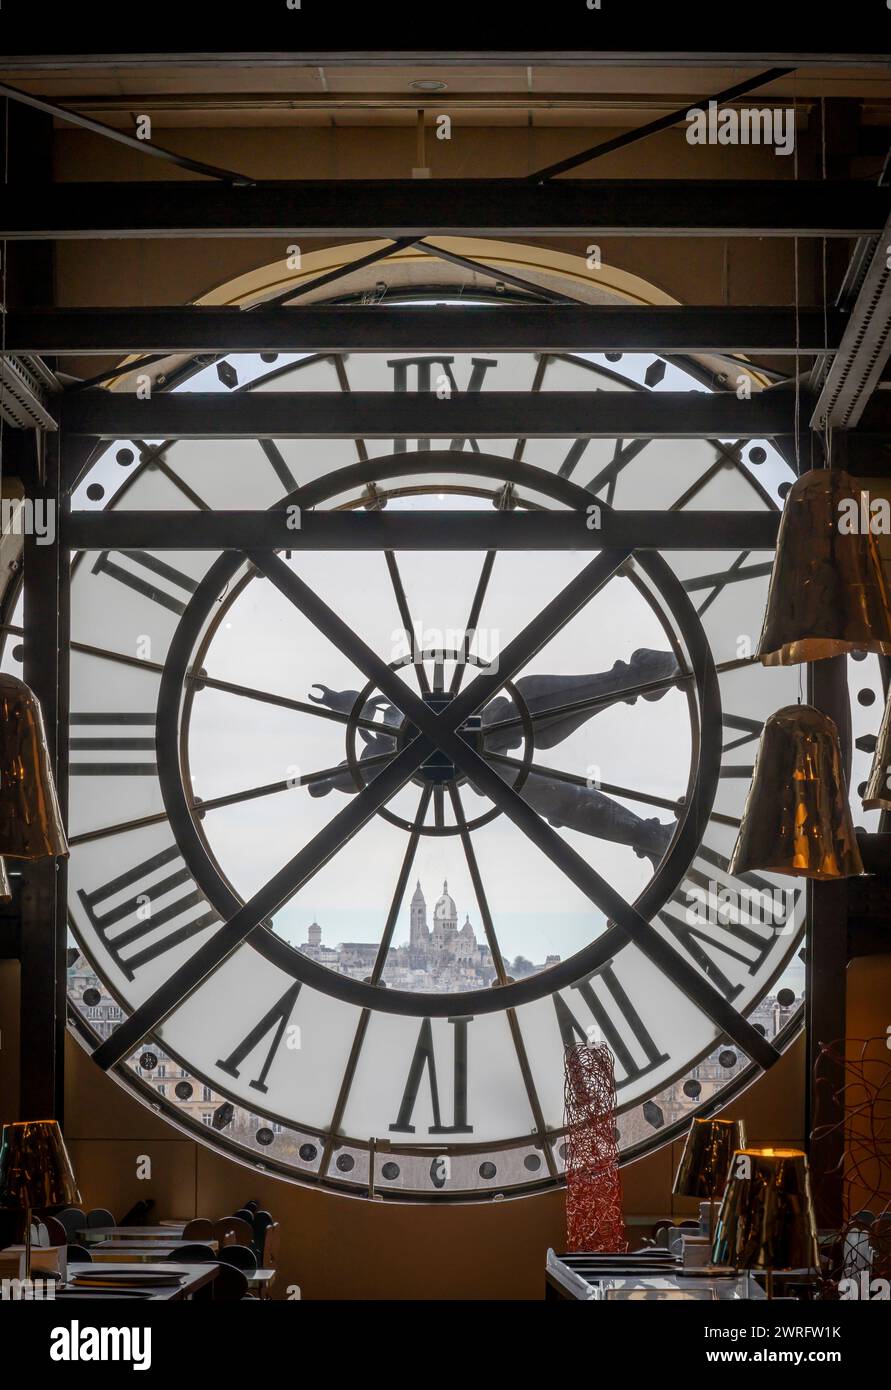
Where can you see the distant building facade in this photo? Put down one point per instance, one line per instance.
(441, 956)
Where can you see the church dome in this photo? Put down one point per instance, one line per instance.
(445, 909)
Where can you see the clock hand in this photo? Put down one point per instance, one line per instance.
(541, 693)
(563, 803)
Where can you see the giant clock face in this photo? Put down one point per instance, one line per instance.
(399, 1014)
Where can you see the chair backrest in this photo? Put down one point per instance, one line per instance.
(262, 1220)
(241, 1256)
(191, 1254)
(198, 1229)
(79, 1254)
(55, 1230)
(230, 1284)
(39, 1233)
(245, 1214)
(269, 1247)
(100, 1216)
(252, 1206)
(73, 1219)
(231, 1230)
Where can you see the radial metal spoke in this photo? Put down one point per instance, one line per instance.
(213, 683)
(299, 706)
(317, 852)
(491, 937)
(473, 618)
(349, 1073)
(610, 788)
(121, 828)
(664, 802)
(399, 891)
(476, 880)
(270, 788)
(405, 615)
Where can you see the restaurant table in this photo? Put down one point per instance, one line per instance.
(143, 1249)
(90, 1235)
(593, 1278)
(194, 1277)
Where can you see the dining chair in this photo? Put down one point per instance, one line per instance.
(231, 1230)
(55, 1230)
(100, 1216)
(230, 1285)
(198, 1229)
(73, 1219)
(240, 1256)
(191, 1254)
(79, 1254)
(245, 1214)
(262, 1221)
(268, 1253)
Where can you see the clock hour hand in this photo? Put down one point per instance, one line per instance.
(602, 689)
(577, 807)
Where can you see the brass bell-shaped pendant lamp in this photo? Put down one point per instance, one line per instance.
(877, 796)
(827, 592)
(30, 820)
(797, 819)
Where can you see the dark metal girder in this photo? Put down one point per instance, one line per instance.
(434, 530)
(121, 137)
(484, 207)
(417, 415)
(420, 329)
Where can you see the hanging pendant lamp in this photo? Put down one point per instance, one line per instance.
(797, 819)
(30, 820)
(827, 592)
(877, 796)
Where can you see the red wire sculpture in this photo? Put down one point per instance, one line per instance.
(593, 1185)
(860, 1084)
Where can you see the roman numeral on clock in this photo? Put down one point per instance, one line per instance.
(424, 1060)
(128, 911)
(100, 739)
(728, 926)
(144, 574)
(274, 1022)
(618, 1022)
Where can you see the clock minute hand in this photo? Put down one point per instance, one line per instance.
(602, 689)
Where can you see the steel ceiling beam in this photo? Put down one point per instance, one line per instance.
(666, 122)
(426, 530)
(484, 207)
(121, 137)
(416, 415)
(421, 329)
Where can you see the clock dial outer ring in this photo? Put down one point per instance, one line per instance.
(670, 873)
